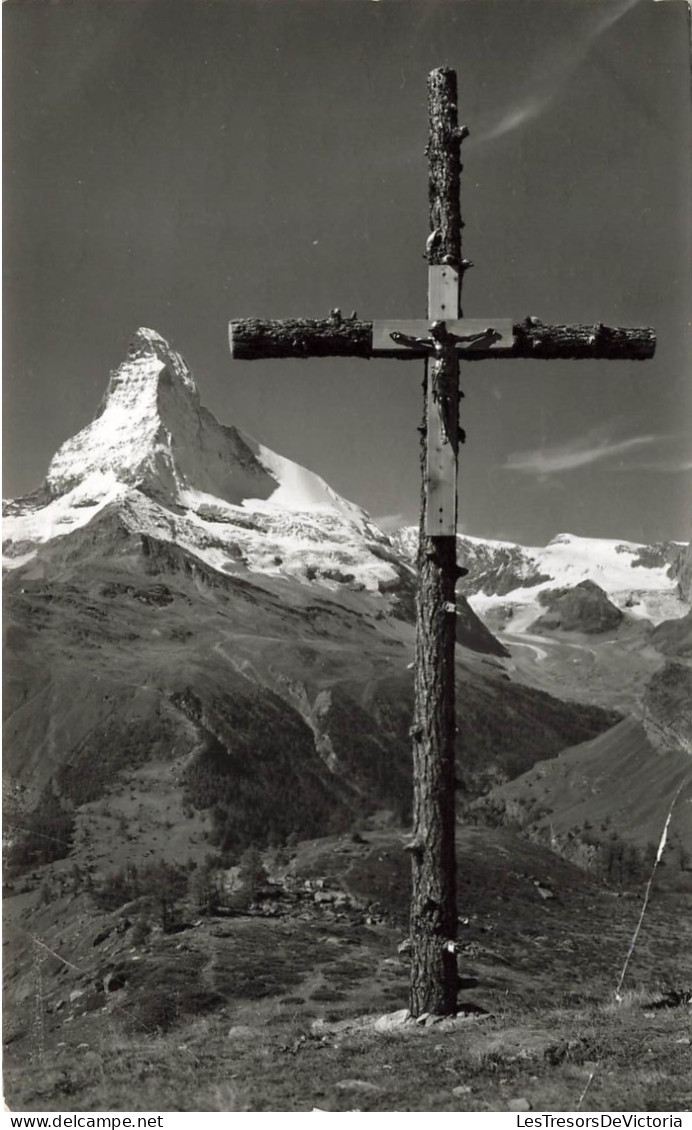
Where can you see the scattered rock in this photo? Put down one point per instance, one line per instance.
(392, 1020)
(357, 1085)
(565, 1049)
(462, 1020)
(112, 982)
(462, 1089)
(585, 607)
(675, 998)
(470, 1008)
(102, 936)
(321, 1026)
(241, 1032)
(520, 1103)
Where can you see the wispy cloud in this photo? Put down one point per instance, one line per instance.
(556, 67)
(528, 108)
(662, 466)
(577, 452)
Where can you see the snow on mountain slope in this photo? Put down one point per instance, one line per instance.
(640, 579)
(152, 432)
(635, 577)
(156, 452)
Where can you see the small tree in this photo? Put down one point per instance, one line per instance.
(204, 889)
(251, 869)
(166, 885)
(251, 873)
(140, 931)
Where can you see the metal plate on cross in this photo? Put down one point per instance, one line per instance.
(420, 327)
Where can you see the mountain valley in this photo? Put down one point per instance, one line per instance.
(208, 693)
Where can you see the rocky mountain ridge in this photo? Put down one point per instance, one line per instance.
(173, 472)
(648, 582)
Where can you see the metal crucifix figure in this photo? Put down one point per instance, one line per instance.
(443, 339)
(442, 345)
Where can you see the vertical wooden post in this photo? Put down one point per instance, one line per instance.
(433, 922)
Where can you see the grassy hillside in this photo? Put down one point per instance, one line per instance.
(145, 681)
(207, 795)
(273, 1007)
(604, 804)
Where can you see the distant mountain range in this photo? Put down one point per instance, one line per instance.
(206, 637)
(648, 581)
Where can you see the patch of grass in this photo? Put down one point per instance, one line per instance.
(44, 835)
(160, 993)
(326, 994)
(546, 972)
(639, 1063)
(99, 760)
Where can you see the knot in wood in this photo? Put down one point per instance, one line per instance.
(430, 909)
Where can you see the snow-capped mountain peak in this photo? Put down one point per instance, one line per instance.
(158, 460)
(175, 473)
(128, 440)
(152, 433)
(641, 579)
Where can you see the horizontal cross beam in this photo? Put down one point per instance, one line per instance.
(254, 338)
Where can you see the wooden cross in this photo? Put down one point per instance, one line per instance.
(442, 339)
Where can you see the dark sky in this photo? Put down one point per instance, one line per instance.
(175, 163)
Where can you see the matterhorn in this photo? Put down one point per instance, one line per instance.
(173, 472)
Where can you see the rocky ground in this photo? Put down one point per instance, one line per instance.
(279, 1005)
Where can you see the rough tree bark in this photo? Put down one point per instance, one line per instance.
(254, 338)
(433, 916)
